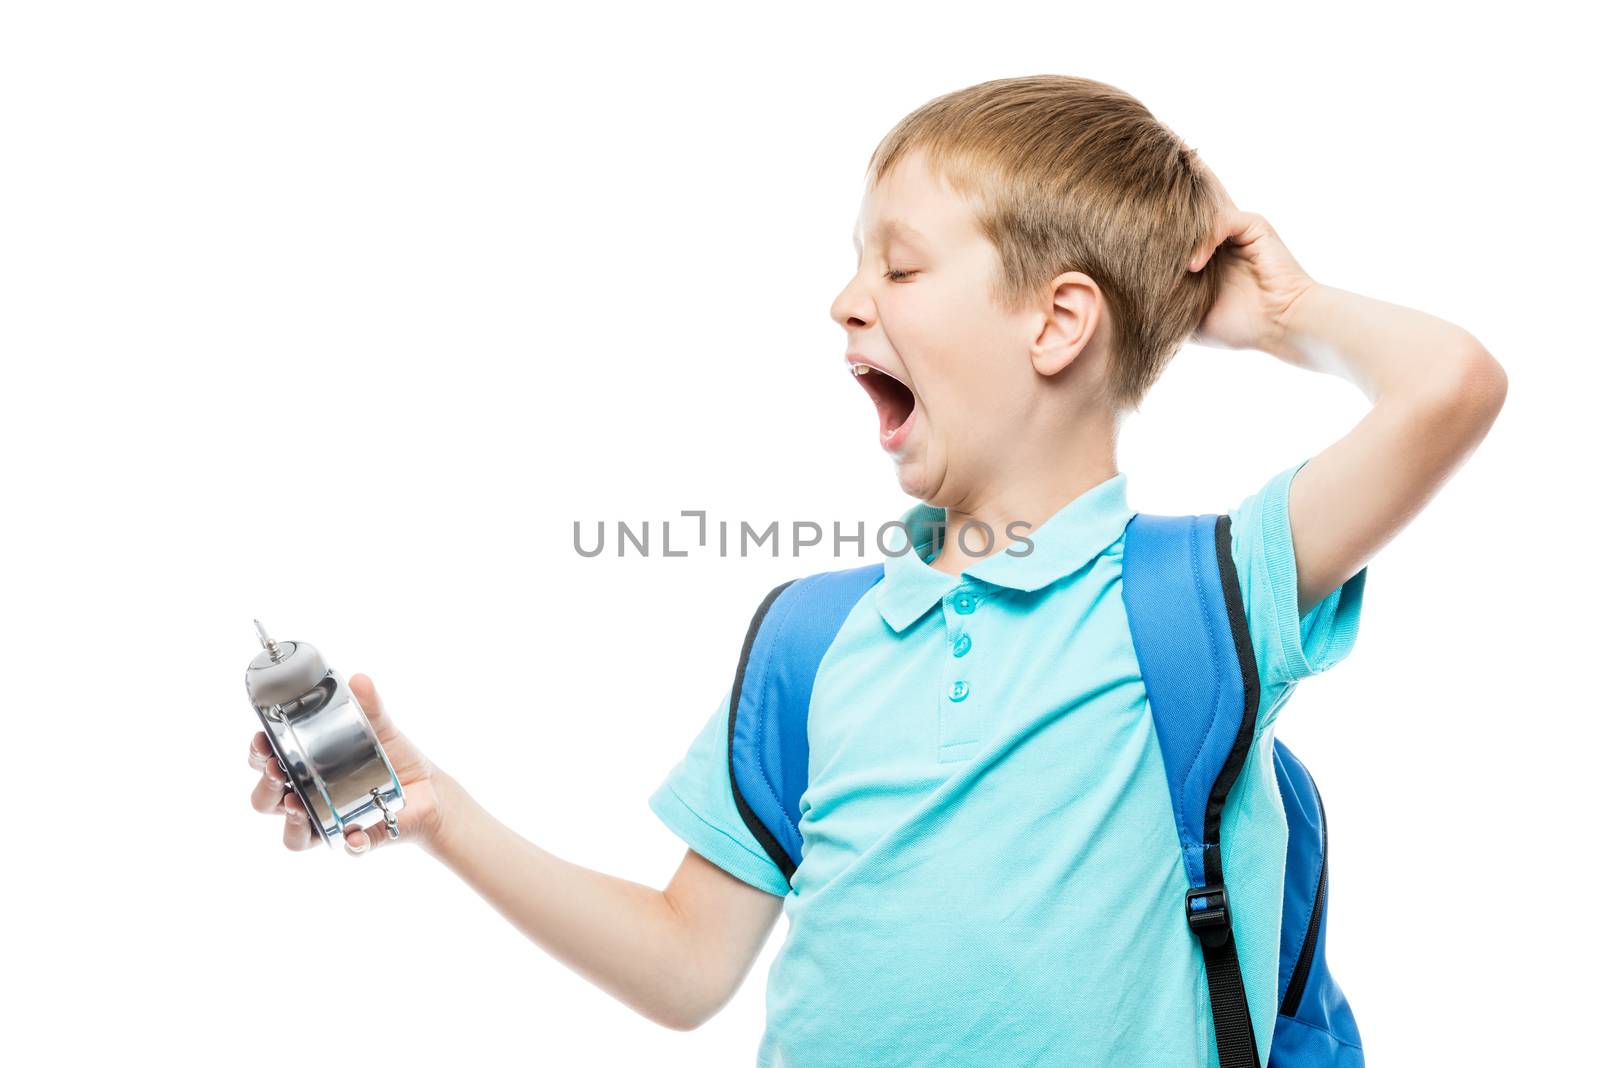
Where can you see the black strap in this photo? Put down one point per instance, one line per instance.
(1230, 1014)
(1207, 907)
(1212, 923)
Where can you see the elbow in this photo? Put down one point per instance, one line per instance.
(1466, 402)
(694, 1014)
(1482, 386)
(675, 1012)
(685, 1007)
(685, 1018)
(679, 1023)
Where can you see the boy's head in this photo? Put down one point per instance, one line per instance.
(1023, 247)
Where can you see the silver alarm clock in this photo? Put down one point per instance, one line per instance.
(322, 740)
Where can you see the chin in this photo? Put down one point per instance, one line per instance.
(914, 480)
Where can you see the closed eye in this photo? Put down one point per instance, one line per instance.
(895, 276)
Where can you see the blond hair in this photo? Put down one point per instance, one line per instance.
(1071, 174)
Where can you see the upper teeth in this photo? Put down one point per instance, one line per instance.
(860, 368)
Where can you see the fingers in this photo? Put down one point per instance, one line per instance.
(1202, 255)
(269, 791)
(1219, 233)
(260, 751)
(1230, 223)
(273, 794)
(1227, 217)
(297, 832)
(267, 796)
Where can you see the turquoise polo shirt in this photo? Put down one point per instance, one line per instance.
(991, 873)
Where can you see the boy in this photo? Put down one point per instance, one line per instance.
(991, 873)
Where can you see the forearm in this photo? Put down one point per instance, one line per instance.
(1387, 351)
(624, 937)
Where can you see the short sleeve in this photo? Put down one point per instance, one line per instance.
(1287, 647)
(696, 802)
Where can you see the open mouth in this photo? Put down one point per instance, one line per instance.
(894, 399)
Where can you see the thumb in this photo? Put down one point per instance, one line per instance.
(357, 842)
(366, 695)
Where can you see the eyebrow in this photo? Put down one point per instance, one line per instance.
(893, 228)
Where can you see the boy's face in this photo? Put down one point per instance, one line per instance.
(954, 382)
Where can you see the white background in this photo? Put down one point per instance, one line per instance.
(340, 315)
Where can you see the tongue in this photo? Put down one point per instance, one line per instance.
(889, 419)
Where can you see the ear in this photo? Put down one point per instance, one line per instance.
(1066, 324)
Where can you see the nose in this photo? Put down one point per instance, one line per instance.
(852, 308)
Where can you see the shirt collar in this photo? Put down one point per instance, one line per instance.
(1070, 538)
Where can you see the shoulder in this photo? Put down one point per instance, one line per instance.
(826, 594)
(1290, 644)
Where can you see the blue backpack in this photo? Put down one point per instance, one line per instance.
(1183, 604)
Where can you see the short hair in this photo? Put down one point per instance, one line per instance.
(1070, 174)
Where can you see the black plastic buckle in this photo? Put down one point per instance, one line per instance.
(1209, 918)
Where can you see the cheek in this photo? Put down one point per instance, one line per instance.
(958, 351)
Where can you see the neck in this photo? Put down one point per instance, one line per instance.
(1034, 484)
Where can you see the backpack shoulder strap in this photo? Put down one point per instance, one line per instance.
(768, 748)
(1186, 613)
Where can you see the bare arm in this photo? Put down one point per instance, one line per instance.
(1435, 393)
(1434, 390)
(676, 956)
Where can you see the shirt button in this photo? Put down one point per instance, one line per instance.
(963, 643)
(958, 691)
(965, 603)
